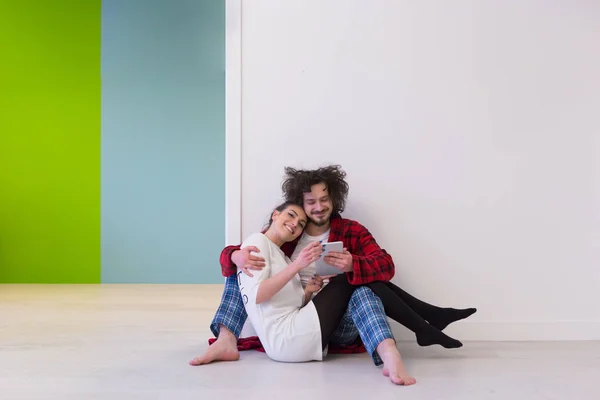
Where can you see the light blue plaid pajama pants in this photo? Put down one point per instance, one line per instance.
(365, 317)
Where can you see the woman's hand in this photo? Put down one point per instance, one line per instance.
(309, 255)
(314, 285)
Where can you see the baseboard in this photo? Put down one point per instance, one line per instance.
(513, 331)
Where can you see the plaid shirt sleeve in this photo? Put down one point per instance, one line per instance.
(228, 268)
(370, 262)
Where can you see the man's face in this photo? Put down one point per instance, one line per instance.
(318, 205)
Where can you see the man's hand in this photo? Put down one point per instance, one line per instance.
(246, 261)
(341, 261)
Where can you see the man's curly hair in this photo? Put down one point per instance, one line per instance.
(297, 182)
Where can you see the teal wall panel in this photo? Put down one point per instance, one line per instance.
(163, 140)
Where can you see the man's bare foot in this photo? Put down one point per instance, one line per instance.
(393, 367)
(223, 349)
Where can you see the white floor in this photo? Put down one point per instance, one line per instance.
(134, 342)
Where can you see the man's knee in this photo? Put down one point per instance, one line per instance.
(363, 292)
(363, 295)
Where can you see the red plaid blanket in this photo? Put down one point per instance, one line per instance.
(253, 343)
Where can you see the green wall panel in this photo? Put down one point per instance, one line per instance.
(50, 141)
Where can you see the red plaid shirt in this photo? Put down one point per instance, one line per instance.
(371, 263)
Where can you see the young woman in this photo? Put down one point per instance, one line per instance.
(291, 327)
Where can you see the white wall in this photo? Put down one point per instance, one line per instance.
(470, 131)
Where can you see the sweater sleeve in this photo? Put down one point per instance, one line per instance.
(228, 268)
(370, 262)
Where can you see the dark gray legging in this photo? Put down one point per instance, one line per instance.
(331, 304)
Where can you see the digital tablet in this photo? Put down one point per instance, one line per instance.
(321, 267)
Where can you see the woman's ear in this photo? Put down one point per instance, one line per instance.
(274, 215)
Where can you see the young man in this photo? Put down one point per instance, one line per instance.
(323, 193)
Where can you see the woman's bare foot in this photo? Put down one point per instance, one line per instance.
(393, 367)
(223, 349)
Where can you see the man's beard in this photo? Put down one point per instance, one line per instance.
(320, 222)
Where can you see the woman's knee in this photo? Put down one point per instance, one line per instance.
(376, 285)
